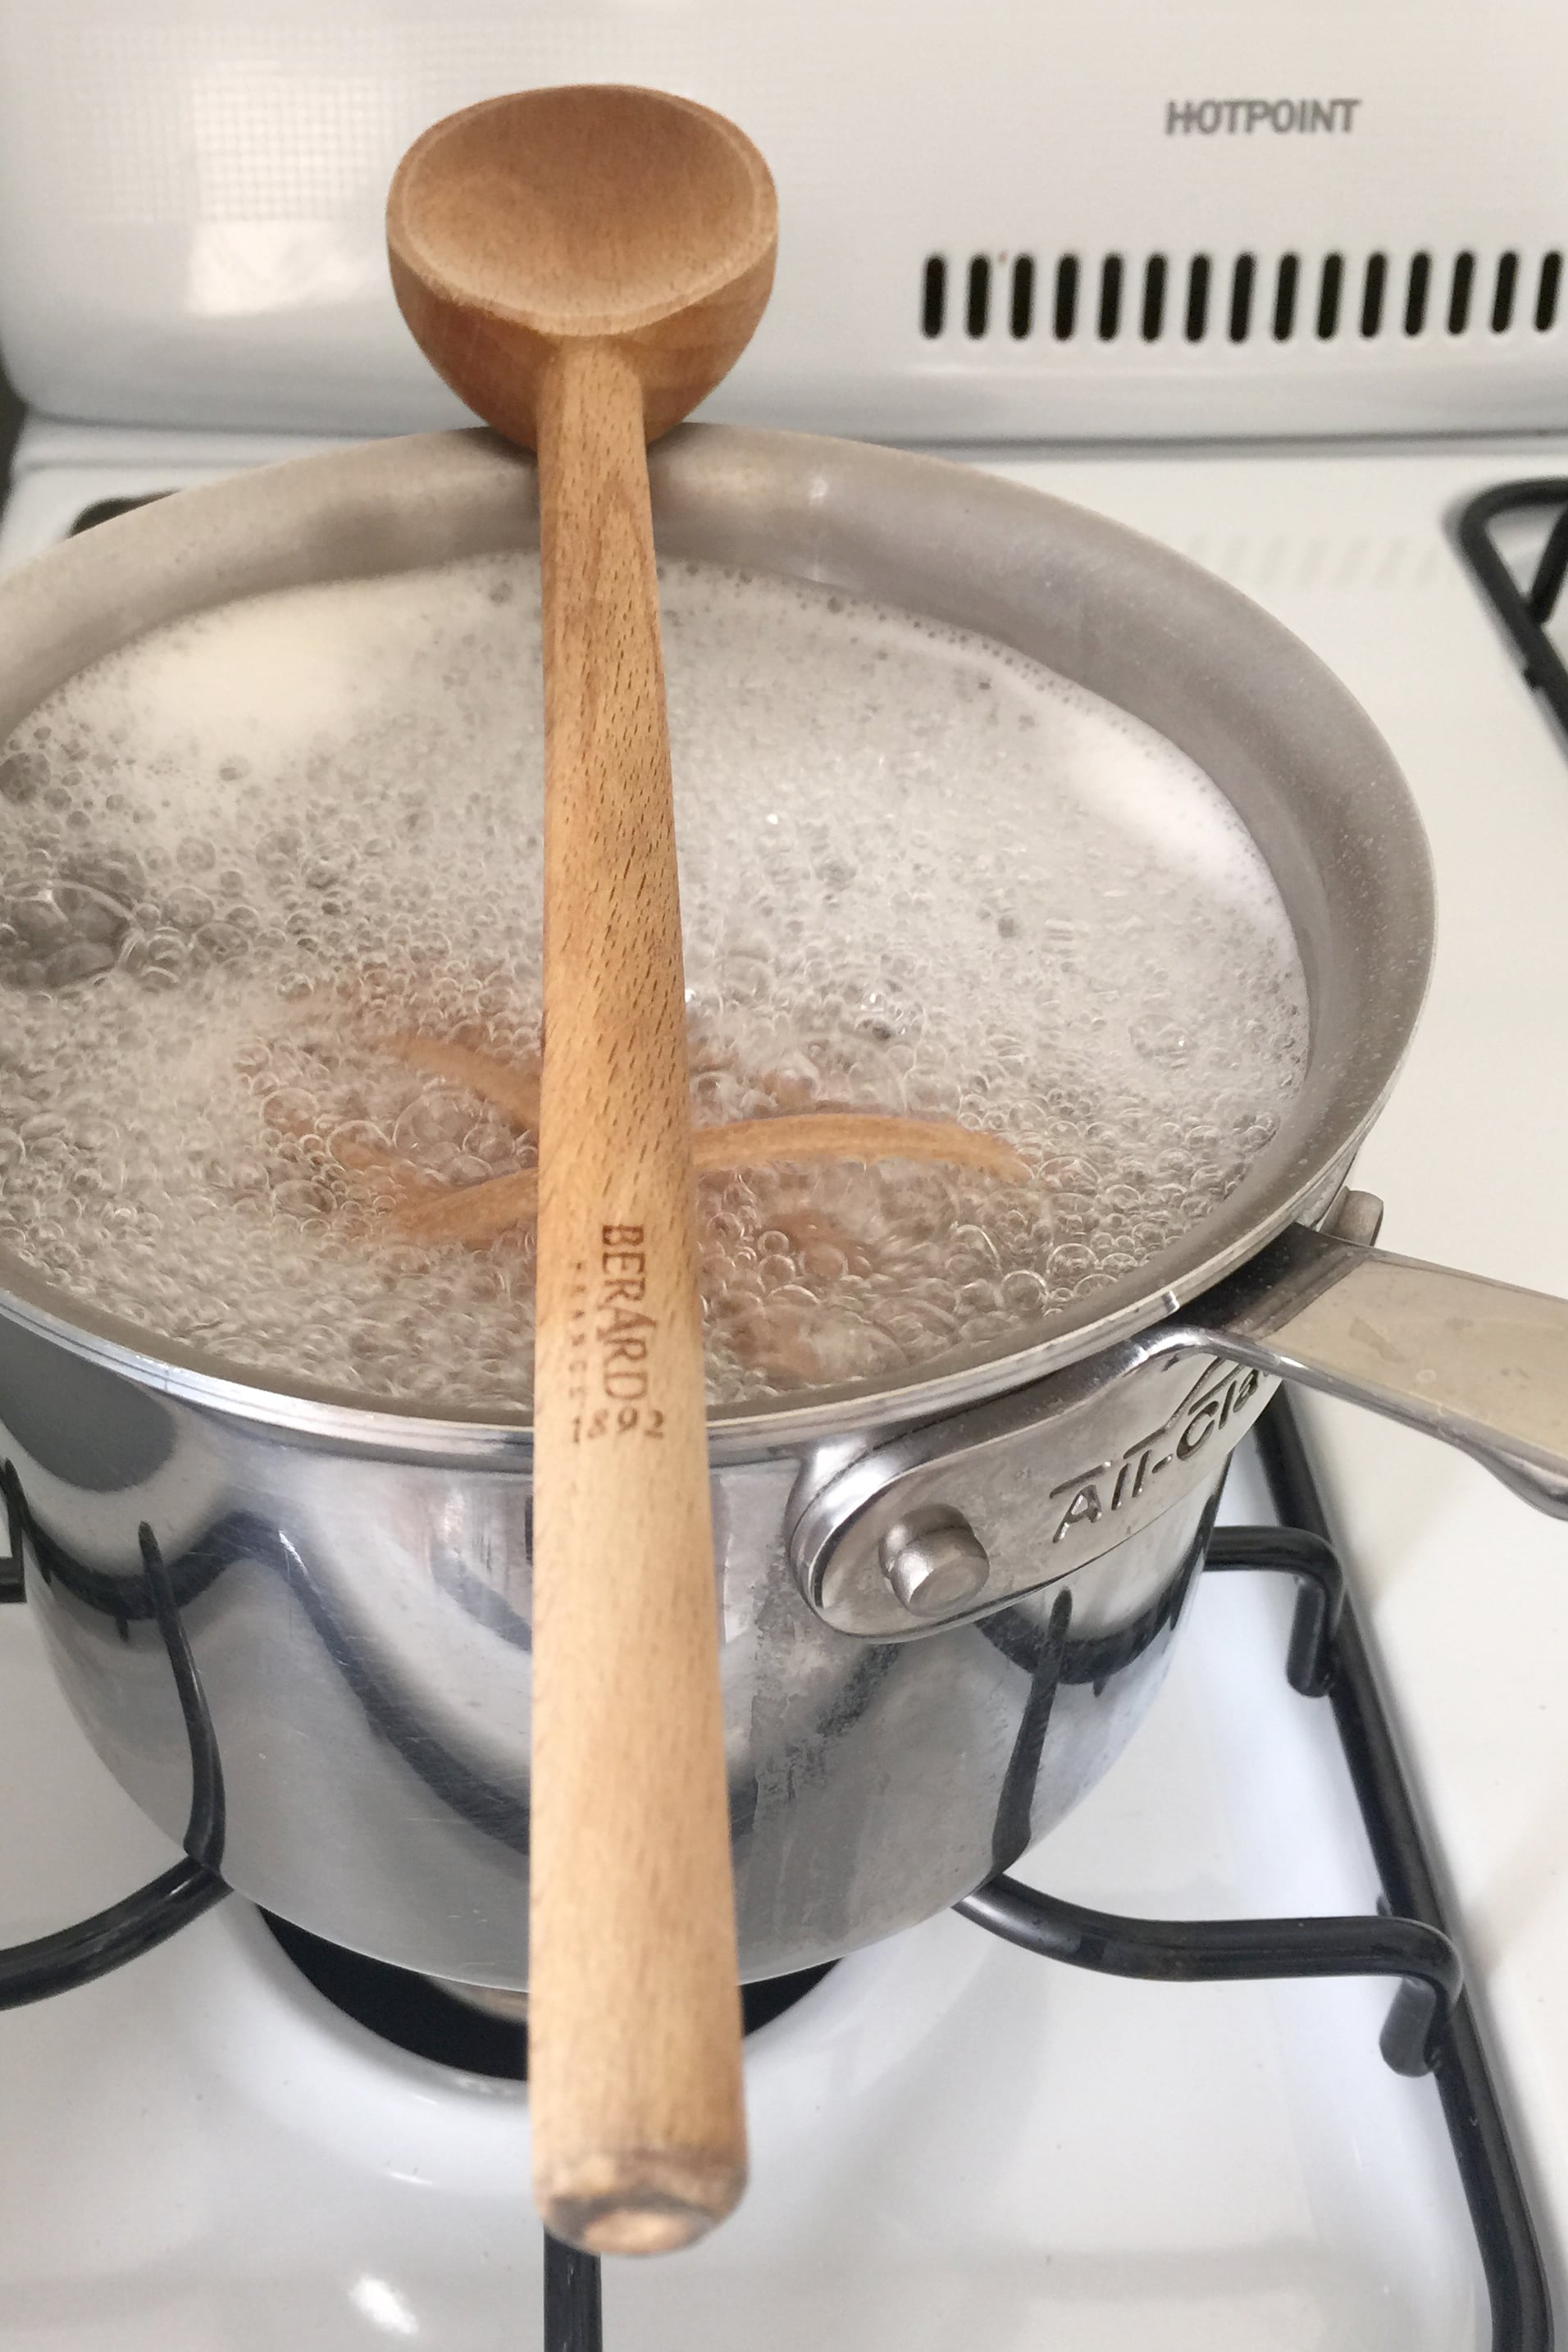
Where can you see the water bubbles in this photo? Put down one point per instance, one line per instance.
(83, 960)
(23, 775)
(918, 877)
(220, 940)
(1067, 1263)
(56, 934)
(1158, 1039)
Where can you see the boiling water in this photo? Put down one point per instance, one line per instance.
(920, 875)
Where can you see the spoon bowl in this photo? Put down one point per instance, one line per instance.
(554, 217)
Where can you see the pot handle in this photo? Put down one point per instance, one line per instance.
(1479, 1364)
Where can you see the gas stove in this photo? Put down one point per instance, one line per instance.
(952, 2137)
(1124, 271)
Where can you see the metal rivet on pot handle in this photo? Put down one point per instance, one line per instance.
(935, 1562)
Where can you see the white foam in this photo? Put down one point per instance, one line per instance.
(920, 874)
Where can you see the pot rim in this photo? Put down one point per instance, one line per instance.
(1310, 776)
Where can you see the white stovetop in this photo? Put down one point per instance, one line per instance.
(1152, 2220)
(1466, 1590)
(954, 2144)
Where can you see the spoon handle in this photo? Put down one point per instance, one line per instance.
(634, 2008)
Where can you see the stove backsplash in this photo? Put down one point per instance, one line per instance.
(1007, 219)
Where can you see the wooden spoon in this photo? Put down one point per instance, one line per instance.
(583, 266)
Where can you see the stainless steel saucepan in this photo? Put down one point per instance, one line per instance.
(945, 1603)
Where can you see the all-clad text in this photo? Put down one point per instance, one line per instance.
(1103, 1488)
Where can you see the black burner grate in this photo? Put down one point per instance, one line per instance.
(1430, 2025)
(1523, 609)
(418, 2014)
(1521, 2318)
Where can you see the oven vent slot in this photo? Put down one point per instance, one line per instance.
(1243, 298)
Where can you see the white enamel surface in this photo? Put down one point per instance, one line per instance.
(1467, 1590)
(953, 2144)
(191, 198)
